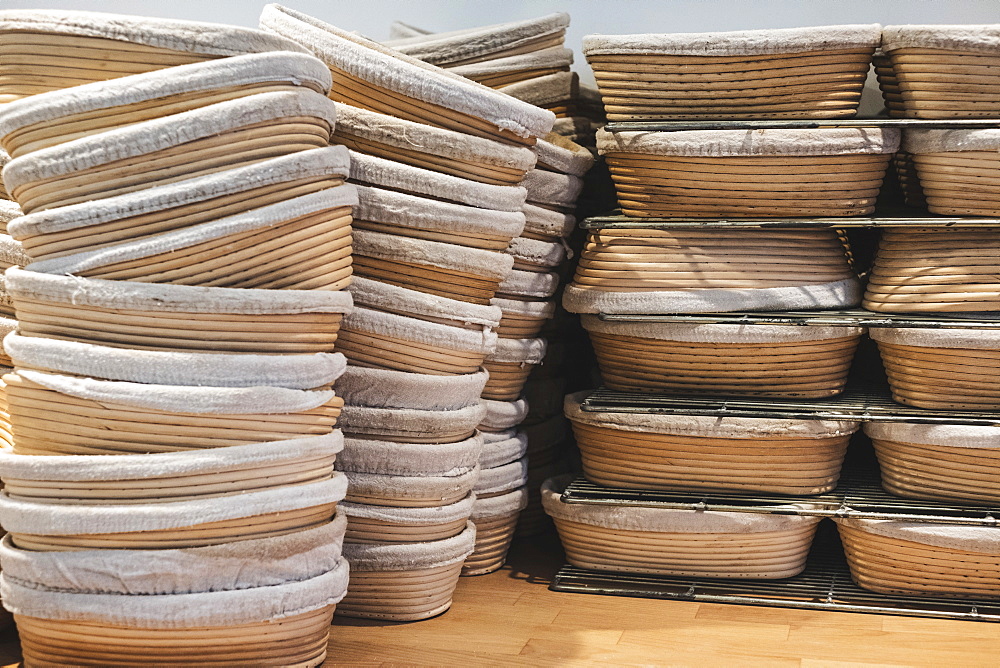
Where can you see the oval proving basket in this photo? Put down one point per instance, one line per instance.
(167, 524)
(408, 425)
(684, 271)
(495, 519)
(381, 524)
(405, 582)
(371, 76)
(789, 73)
(509, 366)
(158, 214)
(679, 542)
(940, 462)
(433, 148)
(690, 452)
(950, 369)
(53, 118)
(81, 47)
(555, 92)
(164, 150)
(749, 173)
(151, 316)
(935, 270)
(922, 559)
(958, 170)
(945, 71)
(724, 360)
(501, 72)
(62, 415)
(410, 475)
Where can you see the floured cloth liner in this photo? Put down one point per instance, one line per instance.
(550, 90)
(405, 422)
(500, 506)
(411, 516)
(480, 340)
(552, 58)
(386, 388)
(500, 453)
(920, 140)
(559, 154)
(503, 478)
(944, 435)
(388, 458)
(396, 299)
(969, 339)
(965, 538)
(983, 38)
(725, 143)
(533, 284)
(501, 415)
(547, 223)
(519, 351)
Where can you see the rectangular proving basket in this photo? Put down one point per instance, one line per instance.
(790, 73)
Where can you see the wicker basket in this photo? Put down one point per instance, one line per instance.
(563, 156)
(909, 180)
(544, 441)
(194, 143)
(495, 519)
(690, 452)
(945, 71)
(938, 462)
(945, 369)
(82, 47)
(383, 524)
(935, 270)
(523, 319)
(958, 170)
(723, 360)
(923, 559)
(432, 148)
(705, 544)
(789, 73)
(501, 72)
(528, 285)
(555, 191)
(410, 475)
(6, 431)
(538, 255)
(510, 365)
(405, 582)
(11, 255)
(888, 84)
(371, 76)
(150, 316)
(761, 173)
(502, 416)
(555, 92)
(410, 425)
(384, 388)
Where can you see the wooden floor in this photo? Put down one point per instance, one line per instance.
(510, 618)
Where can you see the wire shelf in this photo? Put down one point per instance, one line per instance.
(819, 318)
(802, 124)
(916, 219)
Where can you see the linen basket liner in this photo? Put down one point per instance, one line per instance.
(519, 351)
(974, 339)
(944, 435)
(985, 38)
(551, 58)
(501, 453)
(545, 90)
(539, 285)
(365, 419)
(562, 155)
(388, 388)
(419, 516)
(526, 309)
(502, 415)
(552, 188)
(397, 299)
(9, 212)
(918, 140)
(388, 458)
(434, 253)
(547, 254)
(420, 331)
(500, 506)
(503, 478)
(12, 252)
(497, 436)
(967, 538)
(395, 487)
(411, 556)
(546, 222)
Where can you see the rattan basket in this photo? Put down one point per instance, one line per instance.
(509, 366)
(958, 170)
(384, 524)
(888, 84)
(410, 425)
(495, 519)
(501, 72)
(502, 416)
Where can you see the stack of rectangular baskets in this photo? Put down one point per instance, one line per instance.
(671, 268)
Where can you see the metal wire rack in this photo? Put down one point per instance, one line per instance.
(801, 124)
(818, 318)
(915, 219)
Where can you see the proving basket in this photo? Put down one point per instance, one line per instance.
(554, 92)
(563, 156)
(709, 271)
(54, 414)
(164, 150)
(947, 369)
(535, 285)
(411, 425)
(939, 462)
(151, 316)
(536, 255)
(499, 450)
(503, 415)
(826, 172)
(501, 72)
(405, 582)
(495, 519)
(384, 388)
(544, 439)
(371, 76)
(789, 73)
(723, 360)
(693, 543)
(921, 558)
(82, 47)
(888, 84)
(189, 205)
(458, 272)
(11, 255)
(509, 366)
(382, 524)
(935, 270)
(59, 116)
(166, 524)
(6, 432)
(692, 452)
(945, 71)
(958, 169)
(8, 210)
(545, 224)
(410, 475)
(437, 149)
(522, 319)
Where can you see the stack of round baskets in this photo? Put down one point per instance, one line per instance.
(188, 238)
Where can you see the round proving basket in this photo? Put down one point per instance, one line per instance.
(923, 559)
(945, 369)
(536, 254)
(553, 190)
(545, 224)
(509, 366)
(520, 285)
(789, 73)
(59, 116)
(909, 180)
(495, 519)
(11, 255)
(951, 270)
(142, 221)
(283, 624)
(888, 84)
(55, 414)
(433, 148)
(563, 156)
(166, 524)
(405, 582)
(502, 479)
(447, 270)
(693, 543)
(945, 71)
(499, 449)
(150, 316)
(221, 136)
(6, 431)
(828, 172)
(410, 475)
(371, 76)
(501, 72)
(6, 208)
(697, 271)
(381, 524)
(503, 415)
(384, 388)
(409, 425)
(723, 360)
(958, 170)
(47, 50)
(939, 462)
(691, 452)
